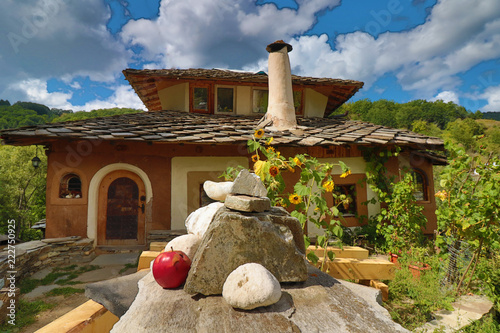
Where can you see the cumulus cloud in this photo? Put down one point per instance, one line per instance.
(54, 38)
(457, 35)
(447, 96)
(492, 95)
(225, 33)
(35, 90)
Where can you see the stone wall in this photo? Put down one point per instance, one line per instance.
(35, 255)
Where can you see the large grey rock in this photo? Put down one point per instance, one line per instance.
(320, 304)
(251, 286)
(249, 184)
(245, 203)
(217, 190)
(116, 294)
(198, 221)
(234, 239)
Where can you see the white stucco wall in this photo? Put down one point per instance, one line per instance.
(314, 103)
(179, 191)
(175, 97)
(244, 100)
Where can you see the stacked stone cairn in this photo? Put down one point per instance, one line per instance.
(242, 248)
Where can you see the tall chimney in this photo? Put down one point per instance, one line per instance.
(280, 109)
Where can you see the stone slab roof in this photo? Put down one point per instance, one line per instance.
(147, 83)
(183, 127)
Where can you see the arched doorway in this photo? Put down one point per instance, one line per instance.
(121, 211)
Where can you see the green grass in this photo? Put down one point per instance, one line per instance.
(25, 315)
(70, 273)
(65, 291)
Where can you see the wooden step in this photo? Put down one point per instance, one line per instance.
(360, 269)
(157, 246)
(346, 251)
(146, 258)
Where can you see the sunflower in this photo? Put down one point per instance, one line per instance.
(345, 174)
(295, 198)
(290, 169)
(255, 158)
(259, 133)
(297, 161)
(273, 171)
(269, 141)
(270, 149)
(329, 185)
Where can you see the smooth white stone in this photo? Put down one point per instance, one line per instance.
(186, 243)
(217, 191)
(250, 286)
(198, 221)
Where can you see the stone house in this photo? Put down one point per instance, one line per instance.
(118, 179)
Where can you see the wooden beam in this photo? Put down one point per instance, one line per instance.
(346, 251)
(359, 269)
(157, 246)
(146, 258)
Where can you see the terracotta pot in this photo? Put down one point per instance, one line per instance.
(393, 258)
(415, 269)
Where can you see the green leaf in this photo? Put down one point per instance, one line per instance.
(312, 257)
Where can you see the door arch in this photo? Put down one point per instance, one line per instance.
(121, 209)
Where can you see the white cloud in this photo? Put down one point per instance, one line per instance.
(224, 33)
(35, 90)
(492, 95)
(457, 35)
(447, 96)
(58, 39)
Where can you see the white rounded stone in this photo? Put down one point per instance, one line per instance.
(250, 286)
(186, 243)
(198, 221)
(217, 190)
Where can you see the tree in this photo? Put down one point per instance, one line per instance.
(4, 102)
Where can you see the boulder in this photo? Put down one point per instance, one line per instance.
(321, 304)
(251, 286)
(249, 184)
(186, 243)
(198, 221)
(217, 190)
(234, 239)
(245, 203)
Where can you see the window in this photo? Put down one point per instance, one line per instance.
(200, 99)
(347, 206)
(298, 101)
(70, 187)
(224, 100)
(420, 179)
(260, 100)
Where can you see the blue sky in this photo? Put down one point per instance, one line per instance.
(70, 54)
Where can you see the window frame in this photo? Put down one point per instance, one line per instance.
(216, 99)
(425, 184)
(207, 86)
(64, 186)
(261, 89)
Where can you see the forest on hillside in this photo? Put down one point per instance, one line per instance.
(22, 188)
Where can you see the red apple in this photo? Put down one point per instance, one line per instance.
(170, 269)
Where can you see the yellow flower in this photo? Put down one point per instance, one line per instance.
(442, 195)
(290, 168)
(297, 161)
(295, 198)
(269, 141)
(258, 168)
(255, 158)
(270, 149)
(329, 185)
(273, 171)
(345, 174)
(259, 133)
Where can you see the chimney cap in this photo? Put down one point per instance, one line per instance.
(278, 45)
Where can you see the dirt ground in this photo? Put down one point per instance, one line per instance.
(64, 305)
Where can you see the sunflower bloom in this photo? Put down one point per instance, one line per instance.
(295, 198)
(345, 174)
(297, 161)
(270, 149)
(269, 141)
(259, 133)
(328, 186)
(273, 171)
(255, 158)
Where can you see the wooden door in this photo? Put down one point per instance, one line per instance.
(121, 218)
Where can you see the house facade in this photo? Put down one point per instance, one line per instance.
(117, 179)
